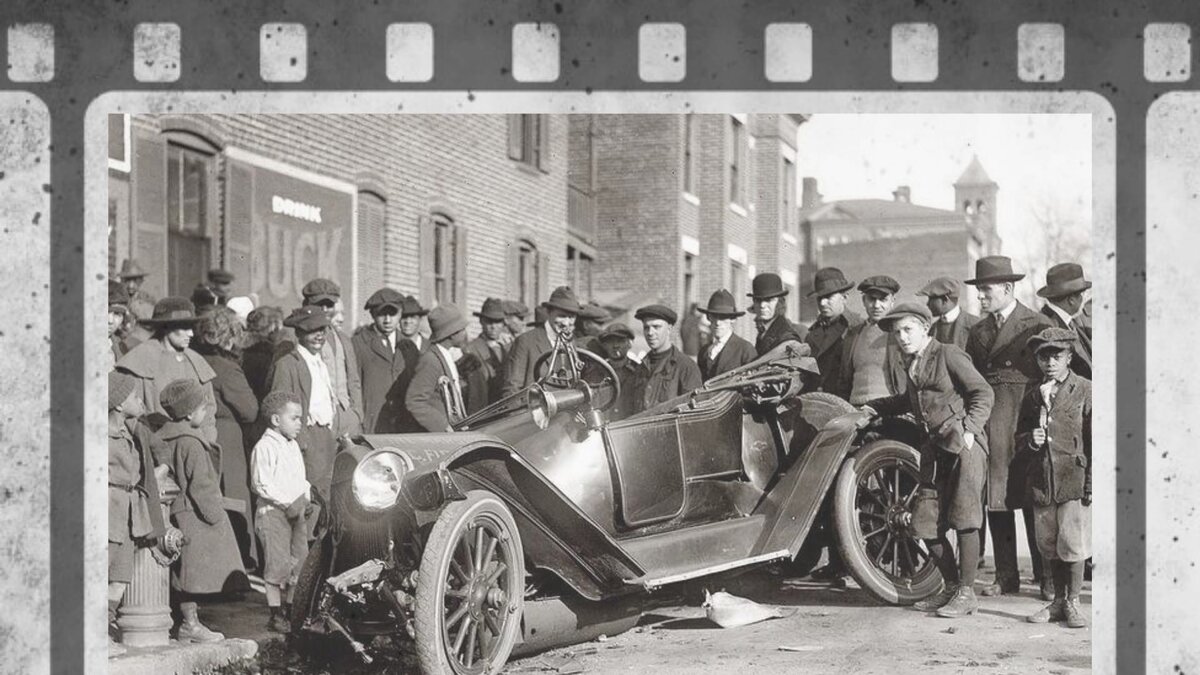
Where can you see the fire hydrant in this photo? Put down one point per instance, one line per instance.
(145, 616)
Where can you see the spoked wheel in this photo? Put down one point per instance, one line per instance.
(470, 588)
(875, 492)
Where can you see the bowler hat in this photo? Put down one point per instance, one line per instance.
(117, 294)
(307, 319)
(616, 329)
(220, 276)
(515, 308)
(130, 269)
(767, 285)
(120, 386)
(563, 298)
(539, 316)
(492, 310)
(595, 312)
(879, 282)
(994, 269)
(1064, 279)
(385, 297)
(180, 398)
(171, 310)
(939, 287)
(320, 289)
(656, 312)
(829, 280)
(721, 304)
(412, 307)
(913, 309)
(1052, 338)
(444, 321)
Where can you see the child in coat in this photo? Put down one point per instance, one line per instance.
(1055, 431)
(277, 476)
(210, 562)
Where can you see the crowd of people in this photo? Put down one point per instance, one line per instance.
(242, 407)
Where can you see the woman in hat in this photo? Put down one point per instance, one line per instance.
(727, 350)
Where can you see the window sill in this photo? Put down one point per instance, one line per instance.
(737, 208)
(691, 198)
(527, 168)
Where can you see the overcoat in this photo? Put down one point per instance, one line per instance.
(894, 375)
(350, 417)
(736, 352)
(257, 360)
(825, 339)
(318, 444)
(237, 410)
(209, 562)
(385, 375)
(524, 353)
(957, 332)
(424, 399)
(777, 331)
(130, 509)
(675, 374)
(1081, 362)
(486, 383)
(1008, 365)
(1060, 470)
(156, 366)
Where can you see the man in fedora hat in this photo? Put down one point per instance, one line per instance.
(339, 356)
(410, 323)
(514, 317)
(770, 309)
(141, 303)
(615, 342)
(665, 372)
(998, 347)
(727, 350)
(951, 401)
(490, 347)
(385, 364)
(951, 324)
(425, 399)
(561, 311)
(1064, 291)
(870, 363)
(827, 332)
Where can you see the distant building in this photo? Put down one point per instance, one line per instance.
(907, 241)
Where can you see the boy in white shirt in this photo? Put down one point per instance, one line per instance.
(277, 476)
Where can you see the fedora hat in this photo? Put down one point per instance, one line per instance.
(767, 285)
(994, 269)
(1064, 279)
(130, 269)
(412, 307)
(720, 304)
(539, 317)
(563, 298)
(829, 280)
(444, 321)
(171, 310)
(492, 310)
(117, 294)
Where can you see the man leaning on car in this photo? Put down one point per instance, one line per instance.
(666, 372)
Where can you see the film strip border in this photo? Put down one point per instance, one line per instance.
(662, 48)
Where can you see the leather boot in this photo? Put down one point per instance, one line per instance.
(1074, 615)
(963, 603)
(115, 648)
(191, 630)
(937, 601)
(1055, 611)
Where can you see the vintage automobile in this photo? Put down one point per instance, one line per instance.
(539, 522)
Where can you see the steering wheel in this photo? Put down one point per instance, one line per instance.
(564, 380)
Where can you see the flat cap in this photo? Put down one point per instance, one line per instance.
(307, 319)
(913, 309)
(321, 289)
(385, 297)
(592, 310)
(220, 276)
(617, 329)
(879, 282)
(657, 312)
(1053, 338)
(939, 287)
(515, 308)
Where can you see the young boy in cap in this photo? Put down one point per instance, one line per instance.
(1055, 431)
(385, 364)
(951, 401)
(726, 350)
(210, 561)
(277, 475)
(666, 372)
(615, 342)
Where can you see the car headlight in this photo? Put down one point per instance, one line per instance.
(377, 479)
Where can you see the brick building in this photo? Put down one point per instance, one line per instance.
(907, 241)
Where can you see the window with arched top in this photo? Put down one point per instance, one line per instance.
(528, 272)
(443, 244)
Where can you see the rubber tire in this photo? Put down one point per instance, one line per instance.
(869, 577)
(441, 544)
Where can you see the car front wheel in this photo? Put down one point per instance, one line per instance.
(872, 508)
(470, 588)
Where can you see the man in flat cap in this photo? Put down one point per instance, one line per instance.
(951, 324)
(615, 342)
(951, 401)
(385, 365)
(726, 351)
(871, 366)
(437, 375)
(410, 323)
(1064, 291)
(998, 346)
(665, 372)
(514, 317)
(826, 334)
(770, 309)
(490, 347)
(561, 311)
(339, 356)
(221, 283)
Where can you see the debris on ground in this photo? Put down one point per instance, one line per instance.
(730, 611)
(805, 648)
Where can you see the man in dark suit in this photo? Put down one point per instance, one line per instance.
(339, 357)
(436, 370)
(951, 324)
(871, 365)
(769, 309)
(1063, 292)
(385, 365)
(514, 317)
(665, 372)
(997, 346)
(490, 347)
(727, 350)
(410, 323)
(561, 310)
(827, 332)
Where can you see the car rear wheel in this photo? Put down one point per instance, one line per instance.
(470, 588)
(872, 501)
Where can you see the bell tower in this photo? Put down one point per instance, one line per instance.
(975, 196)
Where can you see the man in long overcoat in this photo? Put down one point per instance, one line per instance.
(827, 332)
(770, 309)
(1064, 289)
(665, 372)
(339, 357)
(490, 347)
(951, 323)
(385, 365)
(426, 398)
(998, 347)
(561, 311)
(726, 350)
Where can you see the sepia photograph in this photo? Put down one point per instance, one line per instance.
(600, 392)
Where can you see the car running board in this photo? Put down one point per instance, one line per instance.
(651, 584)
